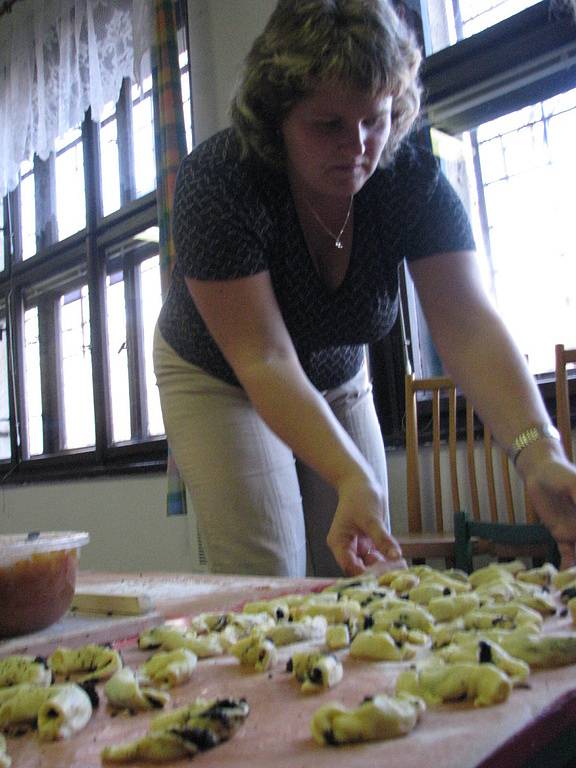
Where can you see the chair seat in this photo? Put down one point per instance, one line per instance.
(426, 545)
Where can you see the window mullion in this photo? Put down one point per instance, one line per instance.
(15, 448)
(96, 275)
(45, 202)
(17, 361)
(125, 145)
(133, 344)
(6, 233)
(50, 375)
(14, 226)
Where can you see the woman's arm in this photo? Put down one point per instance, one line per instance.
(245, 321)
(480, 355)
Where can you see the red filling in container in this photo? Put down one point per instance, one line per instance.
(37, 579)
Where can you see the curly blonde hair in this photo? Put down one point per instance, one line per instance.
(362, 43)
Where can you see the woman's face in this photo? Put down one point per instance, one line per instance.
(334, 138)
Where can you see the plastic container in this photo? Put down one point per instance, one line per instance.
(37, 578)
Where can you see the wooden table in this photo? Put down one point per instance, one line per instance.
(276, 734)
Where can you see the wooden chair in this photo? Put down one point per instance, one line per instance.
(518, 540)
(430, 525)
(564, 357)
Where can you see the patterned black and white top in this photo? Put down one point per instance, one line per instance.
(235, 218)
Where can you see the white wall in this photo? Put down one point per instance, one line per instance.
(126, 519)
(221, 33)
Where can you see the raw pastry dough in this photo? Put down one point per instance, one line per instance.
(278, 608)
(19, 708)
(505, 616)
(410, 615)
(65, 713)
(183, 732)
(337, 636)
(451, 607)
(334, 613)
(170, 668)
(544, 576)
(378, 646)
(89, 662)
(484, 684)
(543, 651)
(5, 759)
(123, 691)
(169, 638)
(315, 671)
(58, 711)
(485, 651)
(24, 669)
(378, 717)
(255, 651)
(308, 628)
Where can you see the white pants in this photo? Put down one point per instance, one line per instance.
(259, 511)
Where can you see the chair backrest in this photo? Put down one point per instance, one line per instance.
(493, 484)
(504, 541)
(564, 357)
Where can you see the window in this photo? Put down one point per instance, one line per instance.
(515, 172)
(133, 280)
(500, 111)
(80, 293)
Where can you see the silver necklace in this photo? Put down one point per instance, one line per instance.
(337, 238)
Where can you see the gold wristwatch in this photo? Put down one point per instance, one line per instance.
(531, 435)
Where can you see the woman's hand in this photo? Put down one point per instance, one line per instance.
(357, 536)
(551, 487)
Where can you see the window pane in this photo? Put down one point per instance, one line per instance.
(151, 299)
(143, 138)
(453, 20)
(27, 210)
(77, 393)
(526, 188)
(32, 386)
(118, 358)
(70, 194)
(186, 101)
(5, 449)
(109, 167)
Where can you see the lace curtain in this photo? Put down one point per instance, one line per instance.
(57, 58)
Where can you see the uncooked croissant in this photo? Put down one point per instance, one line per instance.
(379, 717)
(315, 671)
(89, 662)
(170, 668)
(484, 684)
(183, 732)
(18, 669)
(123, 691)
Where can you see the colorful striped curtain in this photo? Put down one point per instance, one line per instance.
(170, 144)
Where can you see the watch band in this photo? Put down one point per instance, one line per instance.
(532, 435)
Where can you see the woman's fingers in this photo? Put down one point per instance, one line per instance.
(356, 551)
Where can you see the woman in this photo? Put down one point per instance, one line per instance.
(289, 229)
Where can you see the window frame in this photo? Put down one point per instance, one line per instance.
(83, 253)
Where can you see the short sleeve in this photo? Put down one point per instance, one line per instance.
(221, 226)
(442, 224)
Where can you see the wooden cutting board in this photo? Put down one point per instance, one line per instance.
(75, 629)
